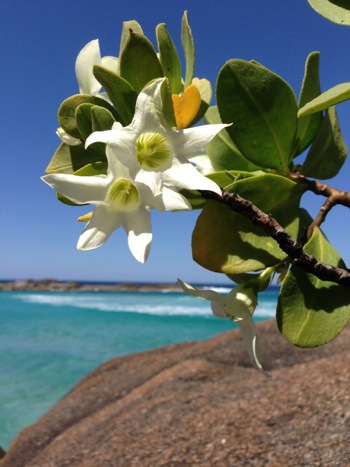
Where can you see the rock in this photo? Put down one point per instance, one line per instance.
(201, 404)
(53, 285)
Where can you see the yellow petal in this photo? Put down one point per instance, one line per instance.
(186, 106)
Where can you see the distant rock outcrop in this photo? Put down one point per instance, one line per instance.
(201, 404)
(53, 285)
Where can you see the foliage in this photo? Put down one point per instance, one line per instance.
(270, 141)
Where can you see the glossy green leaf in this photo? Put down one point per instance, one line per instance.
(169, 59)
(328, 152)
(128, 26)
(337, 11)
(225, 241)
(312, 312)
(222, 151)
(188, 48)
(333, 96)
(122, 95)
(138, 62)
(66, 111)
(308, 126)
(263, 112)
(69, 159)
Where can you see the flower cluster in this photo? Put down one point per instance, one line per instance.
(148, 163)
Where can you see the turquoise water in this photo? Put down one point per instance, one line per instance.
(49, 341)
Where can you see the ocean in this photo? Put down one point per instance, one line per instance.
(50, 340)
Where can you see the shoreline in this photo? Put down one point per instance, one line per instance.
(54, 285)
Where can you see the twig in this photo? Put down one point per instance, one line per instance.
(292, 248)
(333, 195)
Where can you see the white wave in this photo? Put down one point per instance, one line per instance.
(160, 305)
(109, 303)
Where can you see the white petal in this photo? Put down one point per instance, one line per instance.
(79, 189)
(102, 224)
(151, 179)
(218, 310)
(206, 294)
(66, 138)
(148, 109)
(184, 175)
(247, 327)
(123, 144)
(202, 163)
(174, 201)
(138, 226)
(87, 58)
(192, 141)
(111, 63)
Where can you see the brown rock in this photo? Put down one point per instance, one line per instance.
(201, 404)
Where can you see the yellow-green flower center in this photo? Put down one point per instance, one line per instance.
(153, 151)
(123, 196)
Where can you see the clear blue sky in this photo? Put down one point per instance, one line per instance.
(40, 40)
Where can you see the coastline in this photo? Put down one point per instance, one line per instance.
(54, 285)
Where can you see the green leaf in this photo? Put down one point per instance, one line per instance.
(263, 110)
(308, 126)
(226, 241)
(102, 119)
(333, 96)
(169, 59)
(138, 61)
(122, 95)
(90, 118)
(337, 11)
(188, 48)
(66, 111)
(167, 104)
(222, 151)
(312, 312)
(224, 179)
(128, 26)
(328, 152)
(69, 159)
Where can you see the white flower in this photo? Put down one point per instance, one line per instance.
(156, 154)
(237, 306)
(119, 201)
(89, 56)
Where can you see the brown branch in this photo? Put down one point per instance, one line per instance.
(333, 195)
(292, 248)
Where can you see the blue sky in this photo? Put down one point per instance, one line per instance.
(39, 43)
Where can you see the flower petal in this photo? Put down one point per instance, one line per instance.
(67, 138)
(250, 338)
(184, 175)
(87, 58)
(138, 226)
(206, 294)
(79, 189)
(111, 63)
(192, 141)
(218, 309)
(174, 201)
(102, 224)
(148, 110)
